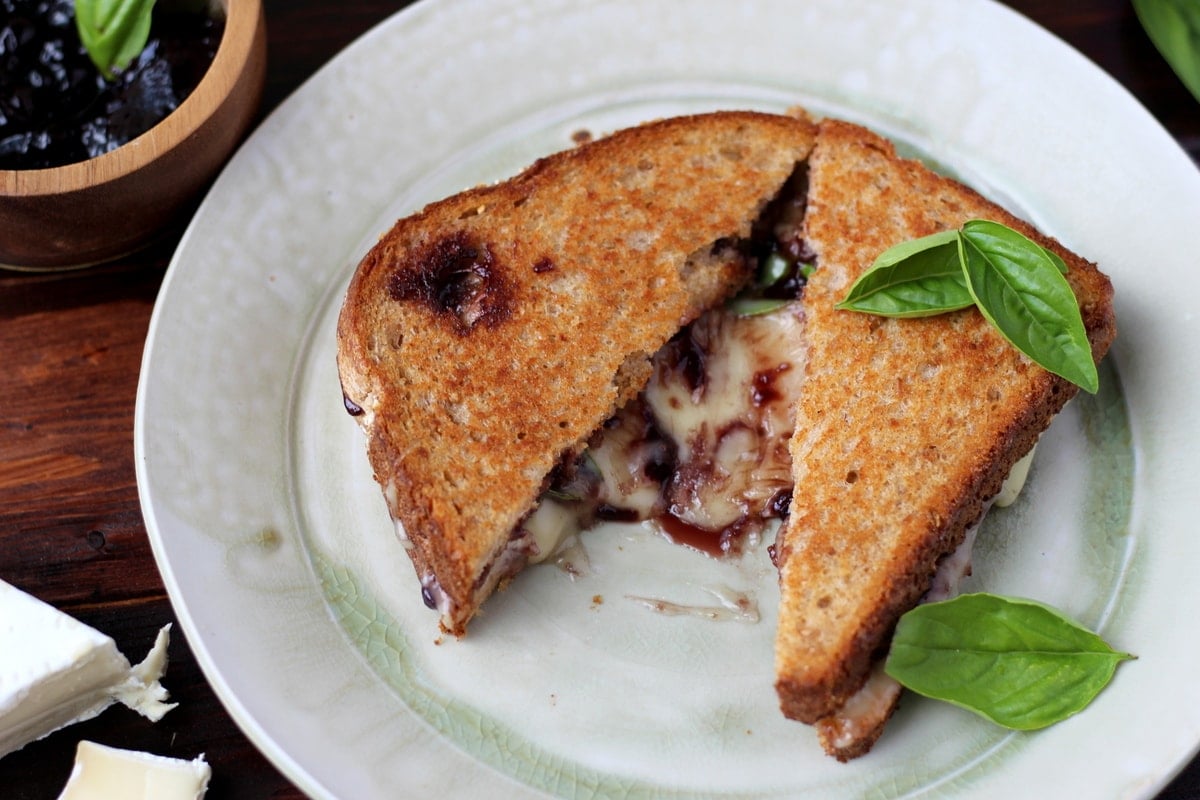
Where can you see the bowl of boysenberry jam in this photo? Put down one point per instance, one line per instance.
(93, 167)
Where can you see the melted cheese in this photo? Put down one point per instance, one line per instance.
(550, 525)
(863, 714)
(705, 445)
(1015, 481)
(735, 605)
(731, 432)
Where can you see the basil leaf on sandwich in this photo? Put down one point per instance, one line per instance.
(1018, 285)
(754, 306)
(1022, 293)
(918, 278)
(1017, 662)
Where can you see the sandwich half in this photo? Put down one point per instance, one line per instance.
(484, 339)
(904, 432)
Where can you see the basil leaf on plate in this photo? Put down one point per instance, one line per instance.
(918, 278)
(1024, 295)
(1016, 662)
(113, 32)
(1174, 28)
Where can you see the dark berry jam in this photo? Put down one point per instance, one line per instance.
(56, 108)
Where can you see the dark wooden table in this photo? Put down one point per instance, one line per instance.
(71, 529)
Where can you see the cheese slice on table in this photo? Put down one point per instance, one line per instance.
(55, 671)
(109, 773)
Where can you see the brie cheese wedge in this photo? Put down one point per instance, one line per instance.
(109, 773)
(55, 671)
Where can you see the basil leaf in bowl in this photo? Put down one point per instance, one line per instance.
(113, 31)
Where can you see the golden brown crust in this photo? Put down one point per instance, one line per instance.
(905, 429)
(495, 330)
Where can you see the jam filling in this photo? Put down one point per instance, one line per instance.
(458, 278)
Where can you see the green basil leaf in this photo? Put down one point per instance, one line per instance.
(1016, 662)
(753, 306)
(1022, 293)
(905, 250)
(113, 32)
(918, 278)
(1057, 259)
(774, 267)
(1174, 28)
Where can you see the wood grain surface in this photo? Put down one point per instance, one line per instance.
(71, 529)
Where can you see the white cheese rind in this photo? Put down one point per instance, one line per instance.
(109, 773)
(55, 671)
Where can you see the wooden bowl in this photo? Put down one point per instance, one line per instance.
(108, 206)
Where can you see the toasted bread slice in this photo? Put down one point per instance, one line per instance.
(483, 339)
(905, 429)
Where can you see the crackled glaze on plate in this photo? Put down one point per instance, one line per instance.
(273, 539)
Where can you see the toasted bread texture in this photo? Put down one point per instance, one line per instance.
(486, 337)
(905, 429)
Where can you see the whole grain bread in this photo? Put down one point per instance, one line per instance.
(905, 429)
(487, 336)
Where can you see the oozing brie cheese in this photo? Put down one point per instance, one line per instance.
(550, 525)
(702, 452)
(1015, 481)
(865, 711)
(108, 773)
(55, 670)
(732, 425)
